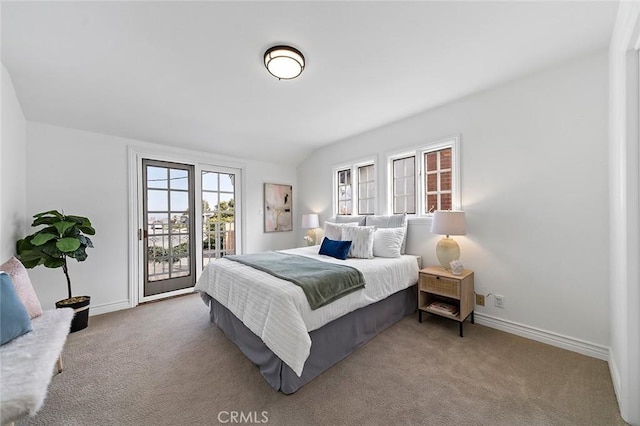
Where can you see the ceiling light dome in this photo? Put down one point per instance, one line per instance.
(284, 62)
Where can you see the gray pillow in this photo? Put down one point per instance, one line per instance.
(348, 219)
(392, 221)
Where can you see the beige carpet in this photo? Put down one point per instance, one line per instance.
(164, 363)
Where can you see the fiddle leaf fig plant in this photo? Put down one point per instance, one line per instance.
(63, 236)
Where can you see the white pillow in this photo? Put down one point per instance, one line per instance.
(361, 238)
(393, 221)
(333, 231)
(387, 242)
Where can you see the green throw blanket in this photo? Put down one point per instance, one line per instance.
(321, 282)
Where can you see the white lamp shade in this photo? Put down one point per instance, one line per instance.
(310, 220)
(448, 223)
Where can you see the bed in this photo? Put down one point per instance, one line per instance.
(272, 322)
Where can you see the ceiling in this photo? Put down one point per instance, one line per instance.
(191, 74)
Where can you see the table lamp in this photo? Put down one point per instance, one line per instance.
(311, 222)
(446, 222)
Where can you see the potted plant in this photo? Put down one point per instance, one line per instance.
(62, 237)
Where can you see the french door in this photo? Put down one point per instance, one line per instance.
(168, 229)
(187, 214)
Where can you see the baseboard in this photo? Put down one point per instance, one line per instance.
(554, 339)
(615, 376)
(108, 307)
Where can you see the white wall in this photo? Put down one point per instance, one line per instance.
(534, 187)
(625, 210)
(13, 218)
(86, 174)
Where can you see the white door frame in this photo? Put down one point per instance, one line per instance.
(200, 162)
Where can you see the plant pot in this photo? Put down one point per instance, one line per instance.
(80, 306)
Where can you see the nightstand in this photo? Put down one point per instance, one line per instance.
(442, 293)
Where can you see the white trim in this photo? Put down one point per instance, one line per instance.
(105, 308)
(166, 295)
(200, 161)
(544, 336)
(624, 211)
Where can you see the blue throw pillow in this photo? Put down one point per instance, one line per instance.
(14, 319)
(337, 249)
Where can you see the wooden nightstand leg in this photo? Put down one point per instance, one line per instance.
(472, 320)
(419, 315)
(460, 328)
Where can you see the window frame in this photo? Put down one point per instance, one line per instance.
(420, 186)
(355, 183)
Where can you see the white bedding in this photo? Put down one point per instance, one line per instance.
(278, 312)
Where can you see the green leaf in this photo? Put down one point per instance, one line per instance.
(53, 262)
(63, 226)
(30, 263)
(50, 212)
(46, 220)
(52, 250)
(40, 239)
(80, 254)
(24, 245)
(88, 230)
(80, 220)
(67, 245)
(85, 241)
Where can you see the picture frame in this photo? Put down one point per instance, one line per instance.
(278, 211)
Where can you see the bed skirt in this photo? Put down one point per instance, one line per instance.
(329, 344)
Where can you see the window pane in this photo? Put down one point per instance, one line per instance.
(432, 182)
(398, 169)
(157, 200)
(445, 181)
(209, 201)
(398, 205)
(226, 182)
(432, 203)
(179, 201)
(411, 207)
(432, 161)
(178, 179)
(445, 158)
(399, 187)
(445, 202)
(209, 181)
(409, 185)
(156, 177)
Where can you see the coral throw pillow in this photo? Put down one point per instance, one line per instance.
(18, 273)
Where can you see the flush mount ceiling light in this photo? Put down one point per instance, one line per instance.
(284, 62)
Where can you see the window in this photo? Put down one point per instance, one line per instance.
(344, 192)
(355, 189)
(438, 168)
(404, 178)
(366, 189)
(438, 183)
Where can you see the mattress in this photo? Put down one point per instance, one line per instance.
(278, 312)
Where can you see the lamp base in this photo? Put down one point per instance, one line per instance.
(314, 236)
(447, 250)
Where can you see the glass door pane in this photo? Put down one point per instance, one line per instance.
(218, 215)
(169, 243)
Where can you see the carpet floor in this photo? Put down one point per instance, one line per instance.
(164, 363)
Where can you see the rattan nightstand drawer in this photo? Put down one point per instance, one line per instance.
(440, 285)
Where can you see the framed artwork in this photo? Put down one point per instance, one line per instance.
(278, 216)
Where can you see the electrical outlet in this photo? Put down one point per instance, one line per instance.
(480, 299)
(499, 301)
